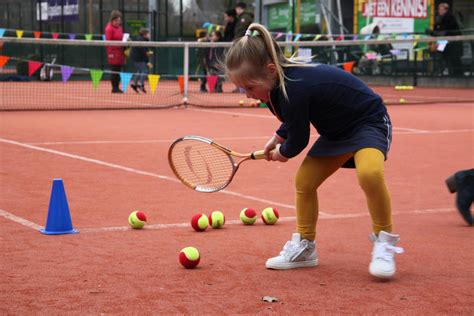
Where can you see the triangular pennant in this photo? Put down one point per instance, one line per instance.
(37, 34)
(355, 37)
(2, 32)
(340, 38)
(205, 24)
(367, 37)
(153, 81)
(211, 82)
(181, 84)
(3, 60)
(66, 72)
(348, 66)
(209, 29)
(19, 33)
(297, 37)
(96, 75)
(55, 35)
(88, 37)
(317, 37)
(33, 66)
(103, 37)
(125, 78)
(218, 28)
(72, 36)
(278, 35)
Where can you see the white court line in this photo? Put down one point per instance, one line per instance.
(20, 220)
(141, 172)
(323, 216)
(403, 131)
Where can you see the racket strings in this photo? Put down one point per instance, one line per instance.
(201, 165)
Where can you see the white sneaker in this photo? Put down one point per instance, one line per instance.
(383, 261)
(296, 253)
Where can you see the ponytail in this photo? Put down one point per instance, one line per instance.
(258, 48)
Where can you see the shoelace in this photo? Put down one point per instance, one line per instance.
(291, 248)
(385, 251)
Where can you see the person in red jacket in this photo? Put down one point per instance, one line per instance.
(115, 54)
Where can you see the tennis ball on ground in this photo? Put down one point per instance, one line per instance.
(402, 101)
(137, 219)
(199, 222)
(216, 219)
(241, 102)
(270, 215)
(189, 257)
(248, 216)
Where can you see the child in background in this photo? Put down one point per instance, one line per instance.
(201, 56)
(141, 59)
(355, 132)
(214, 58)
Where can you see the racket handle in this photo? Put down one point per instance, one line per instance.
(256, 155)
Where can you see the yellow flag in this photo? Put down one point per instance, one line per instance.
(153, 80)
(19, 33)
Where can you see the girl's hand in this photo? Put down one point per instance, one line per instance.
(276, 156)
(270, 145)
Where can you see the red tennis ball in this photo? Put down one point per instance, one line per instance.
(216, 219)
(199, 222)
(248, 216)
(270, 215)
(189, 257)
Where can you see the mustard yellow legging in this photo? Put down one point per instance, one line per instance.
(313, 171)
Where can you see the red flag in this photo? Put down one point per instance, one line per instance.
(211, 82)
(33, 66)
(3, 60)
(348, 66)
(55, 35)
(37, 34)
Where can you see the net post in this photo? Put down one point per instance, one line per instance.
(186, 74)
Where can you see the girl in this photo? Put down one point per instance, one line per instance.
(115, 54)
(354, 129)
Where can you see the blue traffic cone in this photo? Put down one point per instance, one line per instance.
(59, 219)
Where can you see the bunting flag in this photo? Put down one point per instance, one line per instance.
(2, 32)
(19, 33)
(55, 35)
(72, 36)
(416, 43)
(211, 82)
(96, 75)
(88, 37)
(103, 37)
(33, 66)
(340, 38)
(218, 28)
(181, 84)
(125, 77)
(153, 81)
(297, 37)
(367, 37)
(348, 66)
(37, 34)
(3, 60)
(278, 35)
(209, 29)
(66, 72)
(206, 25)
(317, 37)
(355, 37)
(371, 56)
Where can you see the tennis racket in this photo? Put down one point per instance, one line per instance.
(204, 165)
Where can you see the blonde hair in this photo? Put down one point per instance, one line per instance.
(258, 48)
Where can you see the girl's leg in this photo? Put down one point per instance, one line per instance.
(311, 174)
(370, 173)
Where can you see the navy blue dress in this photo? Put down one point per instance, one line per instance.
(347, 114)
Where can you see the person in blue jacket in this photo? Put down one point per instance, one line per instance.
(355, 132)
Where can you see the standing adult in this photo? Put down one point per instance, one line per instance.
(446, 25)
(229, 29)
(244, 19)
(115, 54)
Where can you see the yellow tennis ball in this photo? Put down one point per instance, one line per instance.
(216, 219)
(270, 215)
(241, 102)
(199, 222)
(248, 216)
(189, 257)
(402, 101)
(137, 219)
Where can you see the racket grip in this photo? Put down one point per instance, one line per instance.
(256, 155)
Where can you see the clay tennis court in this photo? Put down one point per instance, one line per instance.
(115, 162)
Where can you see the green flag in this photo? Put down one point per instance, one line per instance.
(96, 75)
